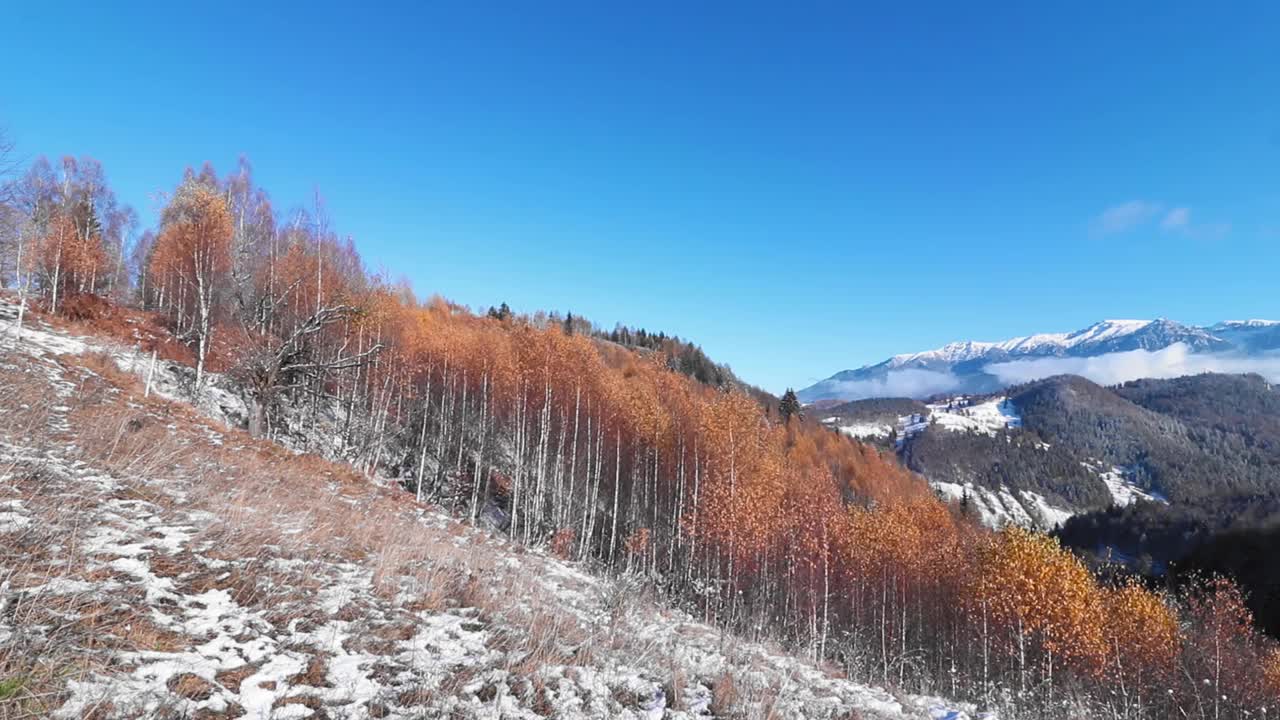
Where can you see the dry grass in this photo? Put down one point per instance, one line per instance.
(191, 687)
(146, 330)
(725, 696)
(416, 695)
(308, 701)
(231, 679)
(316, 673)
(546, 638)
(125, 441)
(25, 401)
(268, 505)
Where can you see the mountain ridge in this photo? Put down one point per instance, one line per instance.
(964, 366)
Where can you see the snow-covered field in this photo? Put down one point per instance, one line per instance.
(147, 569)
(863, 430)
(988, 417)
(959, 414)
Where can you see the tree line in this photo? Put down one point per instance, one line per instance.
(753, 517)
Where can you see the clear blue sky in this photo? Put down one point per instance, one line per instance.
(799, 187)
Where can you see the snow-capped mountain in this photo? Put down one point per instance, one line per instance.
(1252, 335)
(965, 367)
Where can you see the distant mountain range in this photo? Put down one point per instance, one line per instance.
(1108, 352)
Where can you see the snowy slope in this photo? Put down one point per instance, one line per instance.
(986, 416)
(1123, 491)
(1004, 507)
(862, 430)
(960, 366)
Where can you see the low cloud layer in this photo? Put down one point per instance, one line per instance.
(1174, 361)
(1111, 369)
(898, 383)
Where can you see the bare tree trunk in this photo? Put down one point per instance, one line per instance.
(565, 518)
(484, 412)
(617, 492)
(22, 289)
(422, 443)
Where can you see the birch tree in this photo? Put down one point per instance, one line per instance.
(193, 258)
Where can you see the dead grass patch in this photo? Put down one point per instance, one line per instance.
(126, 441)
(725, 695)
(25, 400)
(415, 696)
(231, 679)
(120, 626)
(191, 687)
(176, 565)
(308, 701)
(316, 673)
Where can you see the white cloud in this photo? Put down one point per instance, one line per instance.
(911, 382)
(1135, 214)
(1124, 217)
(1173, 361)
(1178, 218)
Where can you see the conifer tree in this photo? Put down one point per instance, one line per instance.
(789, 406)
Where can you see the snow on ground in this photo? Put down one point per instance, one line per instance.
(999, 508)
(962, 414)
(988, 417)
(1123, 491)
(995, 507)
(158, 595)
(866, 431)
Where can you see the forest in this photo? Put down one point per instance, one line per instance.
(655, 464)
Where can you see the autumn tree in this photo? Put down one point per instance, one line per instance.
(1043, 605)
(1224, 661)
(66, 230)
(1141, 631)
(191, 261)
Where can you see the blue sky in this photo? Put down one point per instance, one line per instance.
(799, 187)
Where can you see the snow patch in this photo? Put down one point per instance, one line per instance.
(1002, 507)
(988, 417)
(1124, 492)
(866, 431)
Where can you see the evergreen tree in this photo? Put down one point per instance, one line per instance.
(790, 406)
(502, 312)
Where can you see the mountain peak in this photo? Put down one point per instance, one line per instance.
(962, 366)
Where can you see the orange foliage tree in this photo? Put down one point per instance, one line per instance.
(191, 261)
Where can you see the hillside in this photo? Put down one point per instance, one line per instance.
(1064, 445)
(1161, 432)
(1167, 476)
(160, 564)
(977, 452)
